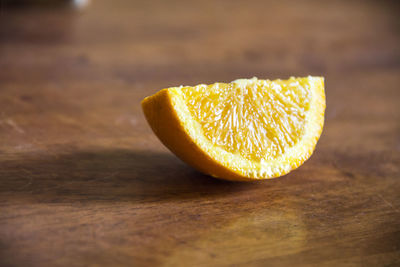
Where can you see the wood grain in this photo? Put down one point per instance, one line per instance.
(84, 182)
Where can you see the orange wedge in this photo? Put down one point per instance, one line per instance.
(246, 130)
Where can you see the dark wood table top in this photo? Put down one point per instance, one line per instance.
(84, 181)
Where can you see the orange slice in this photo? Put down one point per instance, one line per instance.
(245, 130)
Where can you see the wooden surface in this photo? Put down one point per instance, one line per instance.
(84, 182)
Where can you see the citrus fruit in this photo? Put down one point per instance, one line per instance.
(246, 130)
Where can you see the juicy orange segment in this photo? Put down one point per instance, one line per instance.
(244, 130)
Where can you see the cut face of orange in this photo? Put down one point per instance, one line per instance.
(245, 130)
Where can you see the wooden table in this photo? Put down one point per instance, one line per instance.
(84, 181)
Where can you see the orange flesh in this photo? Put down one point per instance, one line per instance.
(258, 120)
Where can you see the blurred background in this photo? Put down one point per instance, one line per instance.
(85, 182)
(196, 41)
